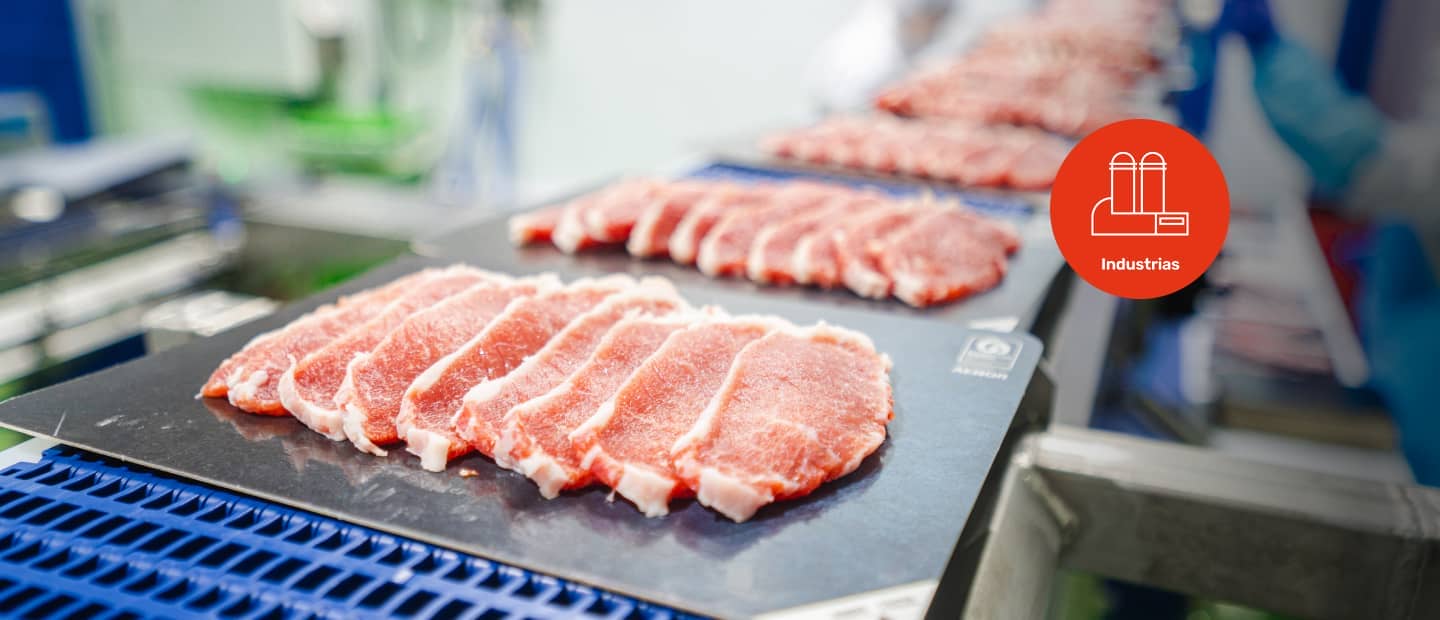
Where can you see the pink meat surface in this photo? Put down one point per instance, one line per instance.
(251, 377)
(772, 254)
(944, 256)
(308, 387)
(799, 407)
(614, 214)
(859, 271)
(724, 250)
(570, 234)
(427, 413)
(651, 234)
(536, 226)
(626, 444)
(376, 381)
(692, 229)
(486, 405)
(535, 438)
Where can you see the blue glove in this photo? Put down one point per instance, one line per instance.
(1251, 20)
(1400, 317)
(1332, 130)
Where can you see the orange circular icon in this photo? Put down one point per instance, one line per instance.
(1140, 209)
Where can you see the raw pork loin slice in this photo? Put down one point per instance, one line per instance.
(535, 439)
(251, 377)
(693, 228)
(772, 254)
(376, 381)
(859, 270)
(724, 250)
(484, 407)
(536, 226)
(651, 234)
(798, 408)
(626, 444)
(946, 255)
(427, 413)
(569, 234)
(611, 219)
(307, 389)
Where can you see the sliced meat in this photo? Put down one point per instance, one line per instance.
(651, 234)
(570, 234)
(815, 260)
(692, 229)
(536, 226)
(250, 378)
(308, 386)
(944, 256)
(772, 254)
(860, 271)
(427, 413)
(1037, 167)
(485, 406)
(626, 444)
(614, 214)
(535, 438)
(376, 381)
(799, 407)
(724, 250)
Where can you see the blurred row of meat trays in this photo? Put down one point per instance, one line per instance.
(1002, 114)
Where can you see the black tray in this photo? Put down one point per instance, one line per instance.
(894, 521)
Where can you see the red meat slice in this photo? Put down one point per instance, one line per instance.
(376, 381)
(613, 215)
(484, 407)
(1037, 167)
(651, 234)
(626, 444)
(569, 234)
(250, 377)
(772, 254)
(536, 226)
(535, 438)
(427, 413)
(944, 256)
(724, 250)
(859, 270)
(816, 260)
(308, 387)
(692, 229)
(799, 407)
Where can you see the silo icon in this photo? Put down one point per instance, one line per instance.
(1123, 178)
(1136, 206)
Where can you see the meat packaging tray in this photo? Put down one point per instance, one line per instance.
(1014, 304)
(894, 521)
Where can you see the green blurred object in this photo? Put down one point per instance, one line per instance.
(9, 438)
(326, 139)
(1080, 596)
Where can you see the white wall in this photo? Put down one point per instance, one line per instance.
(633, 84)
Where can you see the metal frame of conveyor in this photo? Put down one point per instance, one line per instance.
(1198, 522)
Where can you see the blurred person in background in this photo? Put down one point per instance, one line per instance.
(1377, 168)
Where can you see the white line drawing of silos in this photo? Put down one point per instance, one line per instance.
(1137, 205)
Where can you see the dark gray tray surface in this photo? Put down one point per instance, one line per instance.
(1013, 304)
(893, 521)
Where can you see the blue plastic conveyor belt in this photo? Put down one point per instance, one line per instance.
(84, 536)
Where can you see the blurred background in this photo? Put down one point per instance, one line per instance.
(170, 168)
